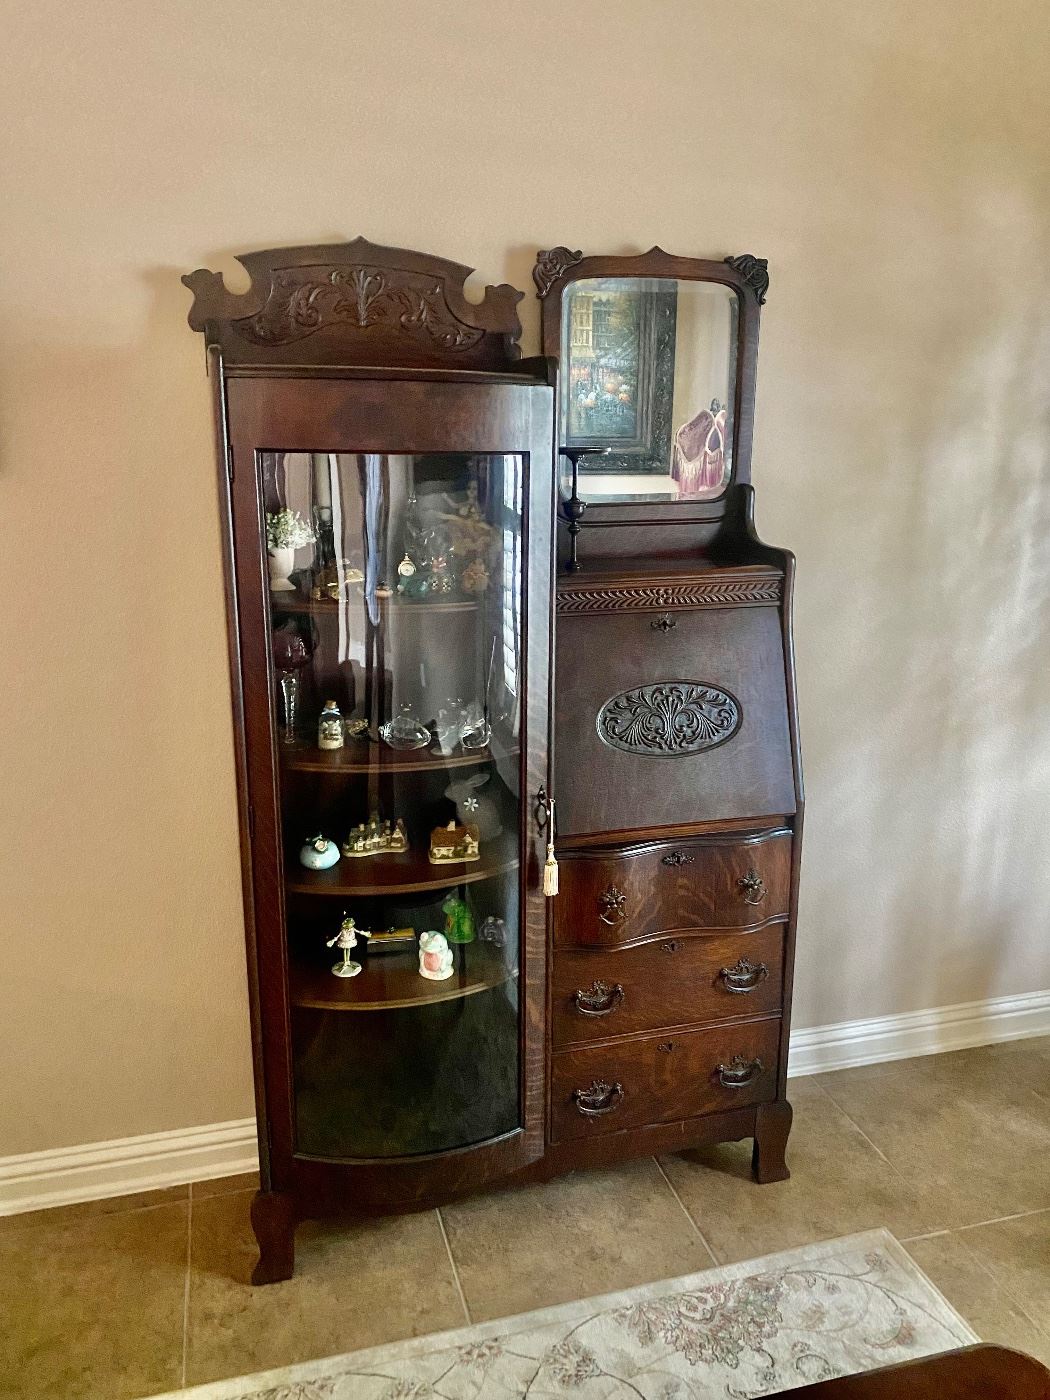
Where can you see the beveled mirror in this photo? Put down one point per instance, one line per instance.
(656, 372)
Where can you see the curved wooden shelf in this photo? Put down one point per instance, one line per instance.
(372, 757)
(358, 877)
(391, 980)
(299, 603)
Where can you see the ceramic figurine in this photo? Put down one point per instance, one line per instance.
(435, 957)
(453, 844)
(318, 853)
(330, 731)
(344, 940)
(459, 921)
(375, 838)
(474, 806)
(475, 578)
(493, 930)
(356, 728)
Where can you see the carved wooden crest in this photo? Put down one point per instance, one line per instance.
(356, 304)
(669, 720)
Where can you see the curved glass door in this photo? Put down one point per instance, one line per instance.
(395, 609)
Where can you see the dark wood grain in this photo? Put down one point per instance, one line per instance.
(710, 891)
(980, 1372)
(664, 1077)
(665, 983)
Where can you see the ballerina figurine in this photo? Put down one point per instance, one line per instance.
(346, 939)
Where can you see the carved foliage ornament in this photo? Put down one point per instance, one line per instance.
(303, 300)
(754, 271)
(669, 720)
(550, 264)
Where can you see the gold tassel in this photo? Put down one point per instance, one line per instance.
(550, 873)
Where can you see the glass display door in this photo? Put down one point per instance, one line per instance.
(395, 596)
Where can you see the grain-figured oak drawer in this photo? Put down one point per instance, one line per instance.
(610, 899)
(662, 1078)
(666, 982)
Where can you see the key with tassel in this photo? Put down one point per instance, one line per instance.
(550, 865)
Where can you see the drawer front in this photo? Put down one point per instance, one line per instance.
(670, 727)
(610, 899)
(662, 1078)
(668, 982)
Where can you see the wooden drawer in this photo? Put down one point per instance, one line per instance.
(612, 898)
(662, 1078)
(666, 982)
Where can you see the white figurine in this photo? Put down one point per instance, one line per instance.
(346, 939)
(435, 957)
(318, 853)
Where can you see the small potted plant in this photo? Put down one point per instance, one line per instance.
(286, 531)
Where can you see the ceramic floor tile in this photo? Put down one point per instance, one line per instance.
(965, 1129)
(839, 1185)
(112, 1205)
(355, 1285)
(93, 1306)
(225, 1186)
(989, 1309)
(1017, 1254)
(583, 1234)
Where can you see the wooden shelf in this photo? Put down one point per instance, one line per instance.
(299, 603)
(358, 756)
(391, 980)
(358, 877)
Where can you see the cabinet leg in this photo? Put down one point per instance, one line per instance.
(772, 1126)
(273, 1220)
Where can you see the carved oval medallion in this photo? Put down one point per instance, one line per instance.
(669, 719)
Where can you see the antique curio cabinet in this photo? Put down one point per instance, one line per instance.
(516, 746)
(387, 468)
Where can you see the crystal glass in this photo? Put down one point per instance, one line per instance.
(405, 731)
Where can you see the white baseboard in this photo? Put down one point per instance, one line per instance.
(69, 1175)
(869, 1042)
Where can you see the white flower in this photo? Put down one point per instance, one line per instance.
(287, 530)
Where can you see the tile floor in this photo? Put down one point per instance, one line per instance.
(124, 1298)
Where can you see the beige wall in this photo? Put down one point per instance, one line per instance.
(893, 163)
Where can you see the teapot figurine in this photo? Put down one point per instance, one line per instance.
(318, 853)
(435, 957)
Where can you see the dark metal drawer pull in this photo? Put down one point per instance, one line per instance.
(744, 976)
(612, 906)
(664, 624)
(752, 887)
(598, 1000)
(677, 858)
(598, 1098)
(672, 945)
(739, 1072)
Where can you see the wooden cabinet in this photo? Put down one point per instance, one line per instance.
(404, 561)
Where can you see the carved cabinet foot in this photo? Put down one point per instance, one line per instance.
(273, 1220)
(772, 1126)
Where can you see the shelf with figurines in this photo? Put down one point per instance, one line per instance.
(400, 969)
(376, 858)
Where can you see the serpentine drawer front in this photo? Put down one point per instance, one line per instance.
(667, 982)
(662, 1078)
(670, 728)
(610, 899)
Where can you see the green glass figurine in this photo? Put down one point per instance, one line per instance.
(459, 921)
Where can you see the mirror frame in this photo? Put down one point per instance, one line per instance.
(558, 268)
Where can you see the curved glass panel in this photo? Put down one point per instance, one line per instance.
(395, 601)
(647, 374)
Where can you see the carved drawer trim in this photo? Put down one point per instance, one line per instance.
(717, 592)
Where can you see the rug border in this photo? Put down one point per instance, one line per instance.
(234, 1387)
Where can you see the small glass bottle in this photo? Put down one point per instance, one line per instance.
(330, 731)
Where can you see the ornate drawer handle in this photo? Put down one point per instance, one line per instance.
(744, 976)
(677, 858)
(599, 1000)
(612, 906)
(664, 624)
(598, 1098)
(739, 1072)
(752, 887)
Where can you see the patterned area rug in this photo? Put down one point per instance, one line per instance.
(749, 1329)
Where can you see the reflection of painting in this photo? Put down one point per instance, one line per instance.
(699, 451)
(618, 356)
